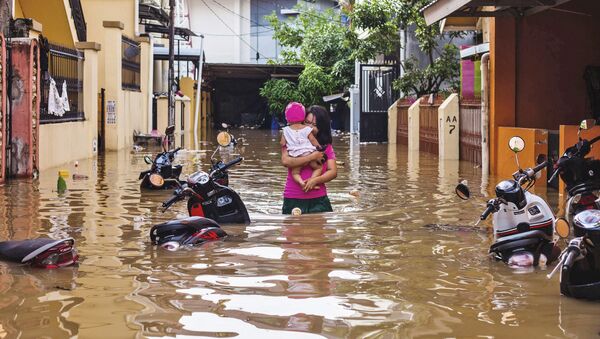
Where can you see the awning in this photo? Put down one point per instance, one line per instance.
(440, 9)
(183, 54)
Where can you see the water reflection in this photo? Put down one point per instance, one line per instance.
(399, 257)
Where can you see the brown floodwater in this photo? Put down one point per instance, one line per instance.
(399, 259)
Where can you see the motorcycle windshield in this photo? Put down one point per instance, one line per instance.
(162, 160)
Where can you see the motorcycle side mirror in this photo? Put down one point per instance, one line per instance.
(587, 124)
(462, 190)
(561, 226)
(148, 160)
(224, 139)
(516, 144)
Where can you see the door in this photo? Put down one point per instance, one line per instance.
(376, 96)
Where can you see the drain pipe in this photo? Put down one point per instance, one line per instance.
(485, 123)
(199, 88)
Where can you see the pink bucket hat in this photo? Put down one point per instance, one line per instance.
(294, 112)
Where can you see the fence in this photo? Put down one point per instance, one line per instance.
(65, 65)
(130, 64)
(470, 131)
(428, 125)
(402, 129)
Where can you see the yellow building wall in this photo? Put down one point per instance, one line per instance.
(65, 142)
(54, 15)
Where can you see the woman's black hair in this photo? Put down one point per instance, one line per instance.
(323, 124)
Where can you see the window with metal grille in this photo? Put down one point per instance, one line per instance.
(65, 66)
(130, 64)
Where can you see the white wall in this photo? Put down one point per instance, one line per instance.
(220, 43)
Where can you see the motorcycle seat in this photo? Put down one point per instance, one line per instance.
(519, 240)
(25, 250)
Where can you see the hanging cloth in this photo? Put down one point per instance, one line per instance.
(65, 98)
(55, 105)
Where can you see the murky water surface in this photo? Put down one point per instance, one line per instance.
(376, 267)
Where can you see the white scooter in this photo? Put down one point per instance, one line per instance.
(523, 223)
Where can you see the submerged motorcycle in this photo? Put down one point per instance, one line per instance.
(162, 174)
(579, 263)
(523, 223)
(42, 252)
(210, 203)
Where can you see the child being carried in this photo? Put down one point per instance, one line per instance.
(299, 140)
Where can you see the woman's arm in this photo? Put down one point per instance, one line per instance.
(291, 162)
(329, 175)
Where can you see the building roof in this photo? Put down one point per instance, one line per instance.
(437, 10)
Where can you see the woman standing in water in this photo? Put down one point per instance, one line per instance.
(307, 198)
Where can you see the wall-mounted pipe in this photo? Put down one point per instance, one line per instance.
(485, 147)
(198, 89)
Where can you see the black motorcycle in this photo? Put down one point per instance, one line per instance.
(210, 199)
(42, 252)
(162, 174)
(580, 262)
(210, 202)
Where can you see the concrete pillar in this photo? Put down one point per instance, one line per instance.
(448, 131)
(413, 126)
(393, 123)
(113, 31)
(146, 80)
(90, 89)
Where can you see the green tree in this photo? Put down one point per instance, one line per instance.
(317, 41)
(375, 30)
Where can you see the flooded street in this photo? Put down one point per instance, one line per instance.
(399, 259)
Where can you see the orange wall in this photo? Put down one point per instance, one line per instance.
(502, 81)
(536, 143)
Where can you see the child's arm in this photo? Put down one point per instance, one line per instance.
(314, 141)
(282, 142)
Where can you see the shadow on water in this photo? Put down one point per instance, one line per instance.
(399, 257)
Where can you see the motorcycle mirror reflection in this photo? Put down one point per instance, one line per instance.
(587, 124)
(562, 227)
(224, 139)
(148, 160)
(462, 190)
(516, 144)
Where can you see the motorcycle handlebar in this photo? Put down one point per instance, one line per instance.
(231, 163)
(540, 166)
(490, 208)
(170, 202)
(572, 254)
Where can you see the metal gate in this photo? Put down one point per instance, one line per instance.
(470, 131)
(376, 96)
